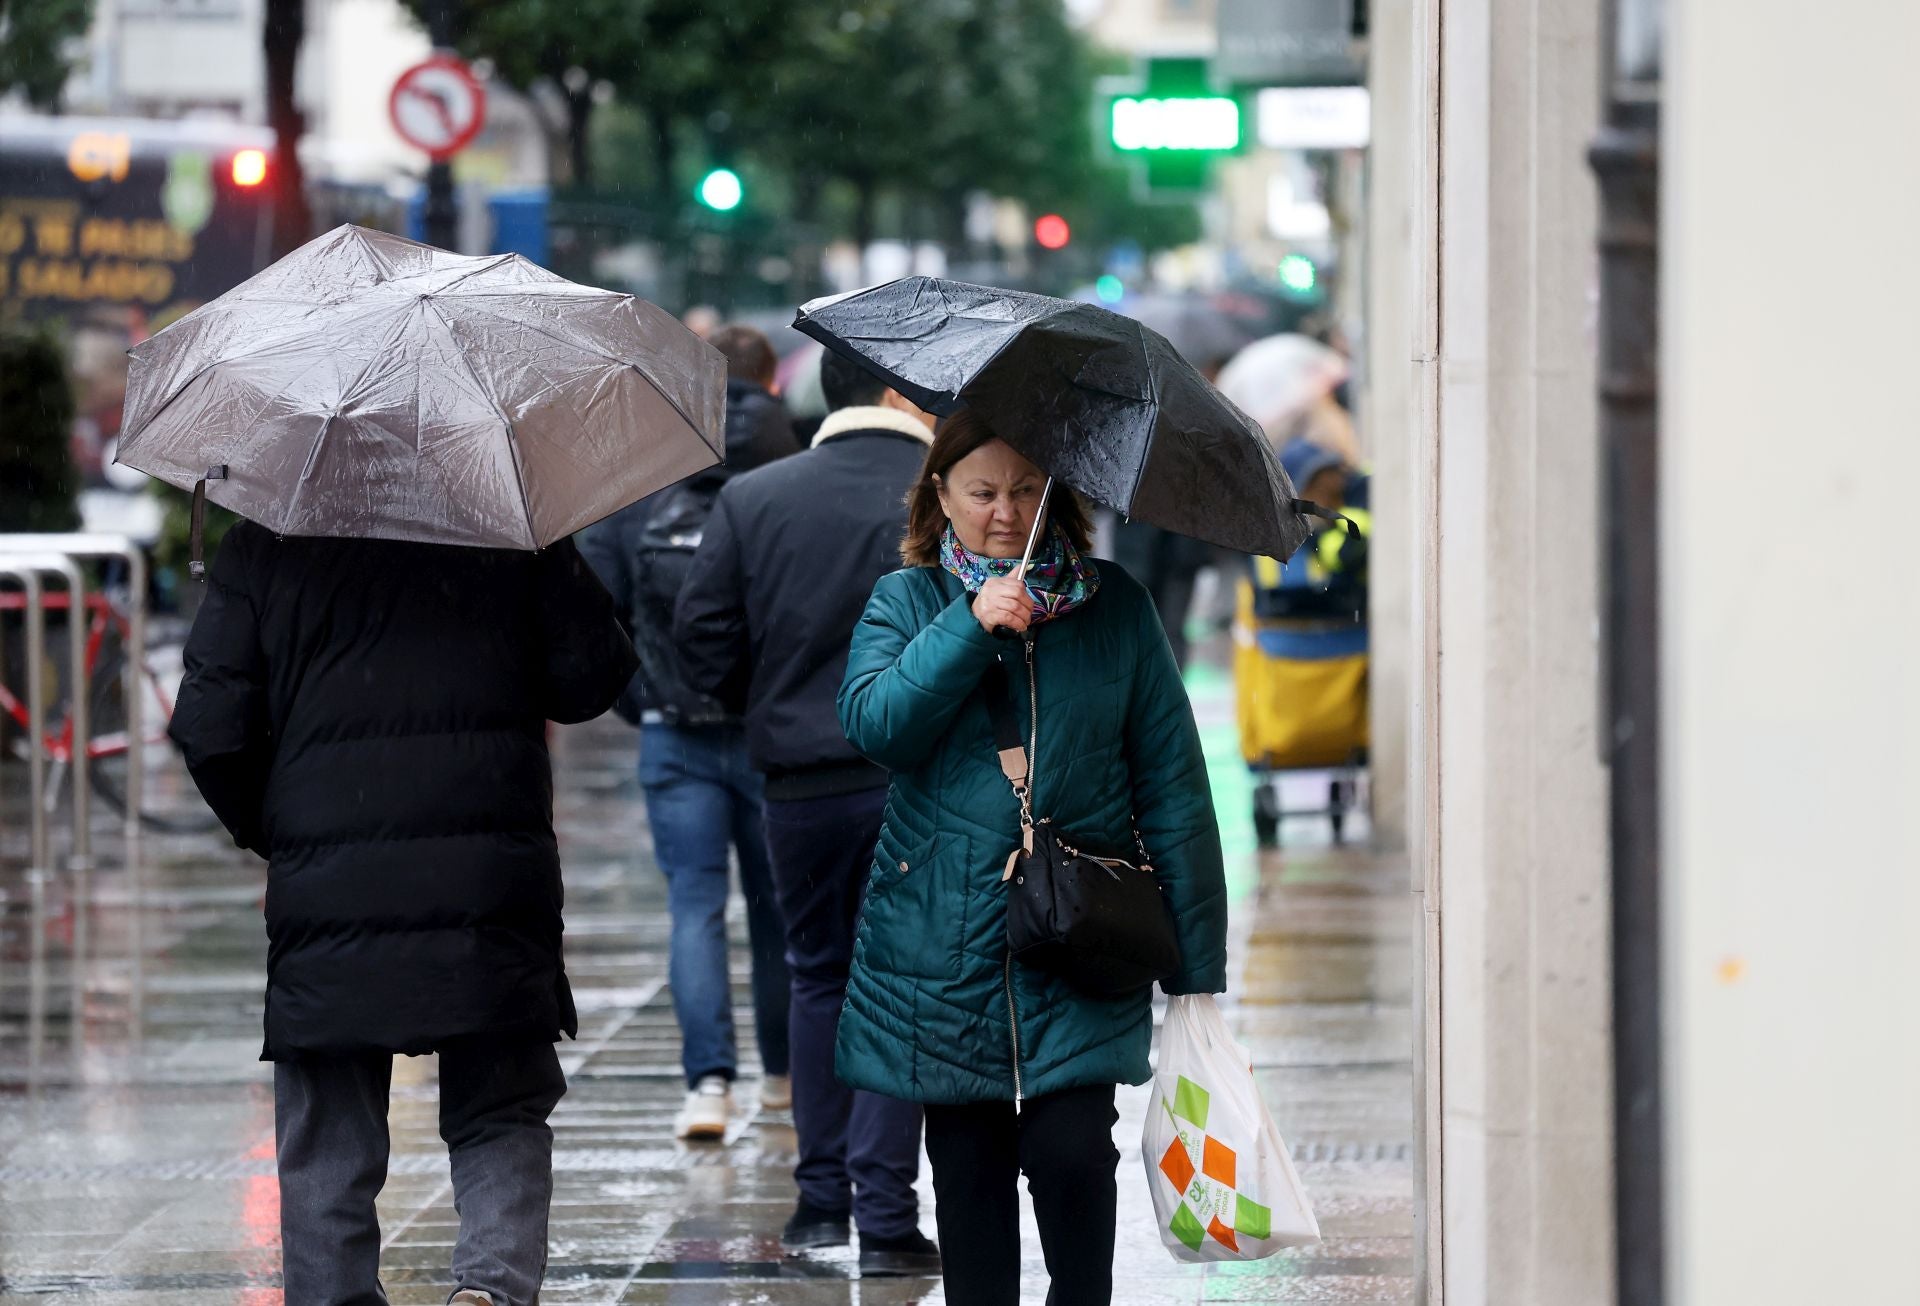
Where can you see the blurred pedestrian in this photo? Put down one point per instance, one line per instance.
(701, 319)
(1169, 566)
(759, 428)
(1166, 563)
(370, 717)
(787, 564)
(1016, 1067)
(702, 795)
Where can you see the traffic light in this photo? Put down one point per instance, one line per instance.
(1299, 277)
(721, 191)
(1051, 231)
(249, 167)
(1110, 289)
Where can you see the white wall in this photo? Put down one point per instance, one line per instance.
(1481, 168)
(1791, 629)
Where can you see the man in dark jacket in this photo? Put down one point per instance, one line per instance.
(702, 795)
(370, 717)
(788, 561)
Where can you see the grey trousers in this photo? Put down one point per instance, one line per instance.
(330, 1118)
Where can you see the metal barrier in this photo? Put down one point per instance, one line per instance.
(26, 569)
(28, 557)
(57, 552)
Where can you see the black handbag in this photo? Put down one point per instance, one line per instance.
(1096, 919)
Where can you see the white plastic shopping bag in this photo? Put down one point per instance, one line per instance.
(1224, 1187)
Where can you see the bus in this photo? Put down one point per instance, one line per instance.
(110, 228)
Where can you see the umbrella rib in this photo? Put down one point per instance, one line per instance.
(346, 392)
(617, 361)
(270, 342)
(513, 440)
(486, 266)
(300, 487)
(1153, 432)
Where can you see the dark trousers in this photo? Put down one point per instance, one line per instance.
(330, 1119)
(1064, 1143)
(858, 1151)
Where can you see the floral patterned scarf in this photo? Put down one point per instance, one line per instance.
(1059, 580)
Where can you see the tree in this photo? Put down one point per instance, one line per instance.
(35, 38)
(567, 44)
(670, 60)
(282, 31)
(38, 485)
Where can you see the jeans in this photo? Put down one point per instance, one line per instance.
(702, 796)
(1064, 1143)
(330, 1122)
(858, 1151)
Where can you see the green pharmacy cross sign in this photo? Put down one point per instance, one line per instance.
(1169, 122)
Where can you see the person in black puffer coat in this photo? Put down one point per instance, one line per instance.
(369, 716)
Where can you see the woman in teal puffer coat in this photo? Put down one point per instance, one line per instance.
(1016, 1068)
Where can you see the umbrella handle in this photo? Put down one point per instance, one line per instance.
(197, 525)
(1026, 559)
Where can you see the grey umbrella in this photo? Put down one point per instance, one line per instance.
(1205, 336)
(1093, 398)
(366, 385)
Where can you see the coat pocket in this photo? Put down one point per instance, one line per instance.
(913, 920)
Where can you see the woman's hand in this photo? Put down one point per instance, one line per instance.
(1003, 601)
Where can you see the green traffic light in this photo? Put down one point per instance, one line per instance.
(721, 190)
(1110, 289)
(1298, 274)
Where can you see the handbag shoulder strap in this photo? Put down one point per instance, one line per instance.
(1015, 763)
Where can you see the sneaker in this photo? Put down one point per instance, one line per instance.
(470, 1297)
(909, 1254)
(815, 1226)
(705, 1114)
(776, 1093)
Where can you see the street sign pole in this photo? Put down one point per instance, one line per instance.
(442, 217)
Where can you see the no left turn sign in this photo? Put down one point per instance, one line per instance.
(438, 105)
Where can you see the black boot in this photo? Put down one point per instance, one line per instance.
(909, 1254)
(815, 1226)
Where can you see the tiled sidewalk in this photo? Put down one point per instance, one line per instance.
(136, 1152)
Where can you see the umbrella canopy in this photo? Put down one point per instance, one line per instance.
(370, 386)
(1205, 336)
(1280, 378)
(1093, 398)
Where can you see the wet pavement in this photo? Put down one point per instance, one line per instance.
(136, 1124)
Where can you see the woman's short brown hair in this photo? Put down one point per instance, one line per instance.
(955, 438)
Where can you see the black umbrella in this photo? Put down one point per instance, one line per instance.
(1092, 398)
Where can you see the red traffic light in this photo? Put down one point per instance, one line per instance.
(1051, 231)
(249, 167)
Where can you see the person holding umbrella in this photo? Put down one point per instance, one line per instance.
(1002, 653)
(1017, 1068)
(413, 437)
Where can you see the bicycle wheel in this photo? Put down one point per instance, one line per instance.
(169, 804)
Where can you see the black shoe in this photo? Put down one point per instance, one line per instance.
(815, 1226)
(909, 1254)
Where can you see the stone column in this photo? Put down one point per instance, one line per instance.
(1481, 167)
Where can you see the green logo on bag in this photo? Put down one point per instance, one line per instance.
(1190, 1102)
